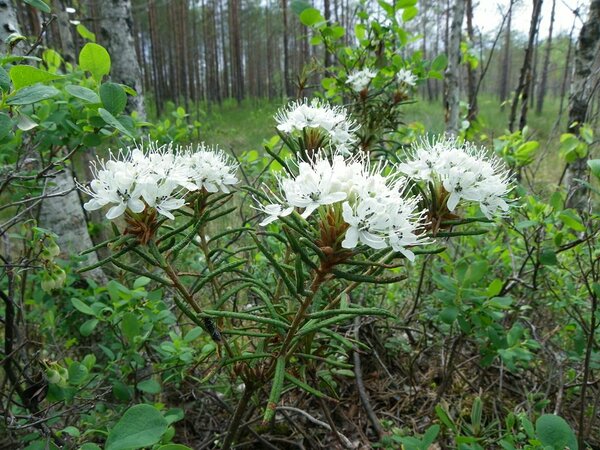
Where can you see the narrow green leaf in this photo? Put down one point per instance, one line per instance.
(82, 307)
(114, 122)
(275, 389)
(85, 33)
(39, 4)
(244, 316)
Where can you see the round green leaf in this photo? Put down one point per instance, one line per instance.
(113, 98)
(77, 373)
(311, 16)
(555, 432)
(141, 426)
(32, 94)
(95, 59)
(82, 93)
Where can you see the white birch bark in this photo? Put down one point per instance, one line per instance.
(452, 75)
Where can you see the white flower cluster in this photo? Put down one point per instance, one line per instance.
(464, 170)
(372, 204)
(360, 79)
(407, 77)
(316, 114)
(158, 179)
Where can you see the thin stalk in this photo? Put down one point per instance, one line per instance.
(234, 425)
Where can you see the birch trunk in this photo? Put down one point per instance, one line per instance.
(452, 75)
(64, 216)
(586, 56)
(116, 34)
(8, 26)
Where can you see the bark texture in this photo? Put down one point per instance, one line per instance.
(522, 91)
(116, 34)
(452, 75)
(64, 216)
(586, 57)
(8, 25)
(544, 81)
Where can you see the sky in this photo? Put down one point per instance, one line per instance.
(488, 15)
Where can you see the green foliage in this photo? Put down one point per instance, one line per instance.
(140, 426)
(554, 432)
(95, 59)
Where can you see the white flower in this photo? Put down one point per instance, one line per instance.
(371, 203)
(211, 169)
(407, 77)
(365, 224)
(274, 212)
(317, 114)
(360, 79)
(159, 178)
(464, 171)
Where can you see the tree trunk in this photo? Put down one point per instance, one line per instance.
(522, 91)
(237, 81)
(64, 216)
(327, 15)
(452, 77)
(471, 72)
(544, 81)
(286, 63)
(504, 80)
(563, 85)
(63, 28)
(586, 54)
(8, 26)
(116, 34)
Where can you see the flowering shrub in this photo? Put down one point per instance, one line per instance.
(341, 219)
(256, 290)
